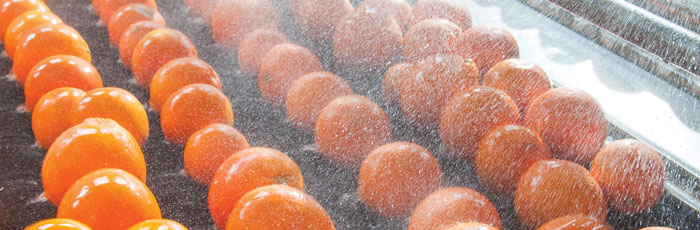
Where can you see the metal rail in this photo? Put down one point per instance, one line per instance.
(653, 43)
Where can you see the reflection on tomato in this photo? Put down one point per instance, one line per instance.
(58, 224)
(109, 199)
(96, 143)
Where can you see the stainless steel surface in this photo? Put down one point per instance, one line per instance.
(670, 41)
(685, 13)
(655, 44)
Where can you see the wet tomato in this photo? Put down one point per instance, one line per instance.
(401, 10)
(130, 14)
(58, 224)
(394, 79)
(278, 207)
(116, 104)
(253, 48)
(283, 64)
(109, 199)
(244, 171)
(318, 18)
(158, 224)
(434, 80)
(59, 71)
(522, 81)
(450, 206)
(487, 46)
(93, 144)
(470, 114)
(106, 8)
(56, 103)
(234, 19)
(472, 226)
(207, 148)
(395, 177)
(553, 188)
(454, 11)
(131, 37)
(349, 128)
(505, 153)
(177, 74)
(24, 23)
(157, 48)
(309, 94)
(10, 9)
(575, 223)
(191, 108)
(429, 37)
(367, 40)
(631, 174)
(570, 121)
(44, 41)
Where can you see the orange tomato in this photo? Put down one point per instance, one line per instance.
(253, 48)
(191, 108)
(158, 224)
(106, 8)
(454, 11)
(109, 199)
(570, 121)
(395, 78)
(177, 74)
(349, 128)
(59, 71)
(553, 188)
(56, 103)
(429, 37)
(505, 153)
(470, 114)
(487, 46)
(23, 23)
(234, 19)
(116, 104)
(317, 19)
(47, 40)
(58, 224)
(157, 48)
(522, 81)
(244, 171)
(631, 174)
(575, 223)
(309, 94)
(10, 9)
(207, 148)
(472, 226)
(283, 64)
(130, 14)
(401, 10)
(278, 207)
(131, 37)
(450, 206)
(395, 177)
(367, 40)
(93, 144)
(434, 81)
